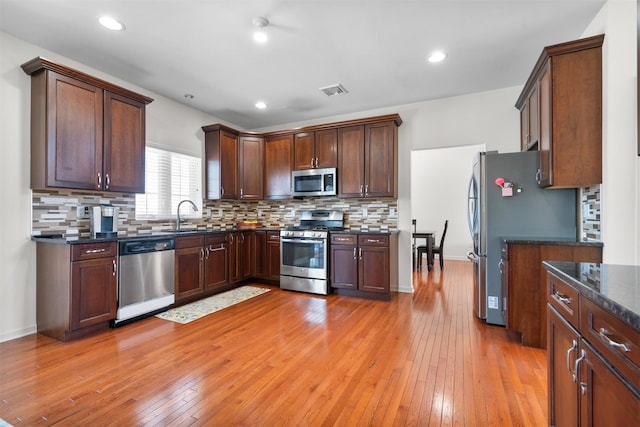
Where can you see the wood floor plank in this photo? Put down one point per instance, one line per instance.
(288, 359)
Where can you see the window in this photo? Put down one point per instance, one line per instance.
(169, 178)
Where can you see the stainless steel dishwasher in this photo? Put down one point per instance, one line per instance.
(146, 276)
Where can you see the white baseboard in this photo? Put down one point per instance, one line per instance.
(18, 333)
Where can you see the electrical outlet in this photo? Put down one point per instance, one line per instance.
(82, 212)
(492, 302)
(365, 213)
(392, 213)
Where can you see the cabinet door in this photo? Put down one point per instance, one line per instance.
(373, 269)
(93, 292)
(228, 166)
(74, 114)
(235, 254)
(344, 266)
(545, 174)
(351, 161)
(534, 117)
(326, 148)
(251, 167)
(304, 151)
(247, 258)
(380, 158)
(215, 265)
(605, 399)
(273, 256)
(189, 272)
(260, 253)
(278, 165)
(124, 144)
(562, 352)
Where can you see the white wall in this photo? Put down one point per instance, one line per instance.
(439, 190)
(168, 123)
(620, 195)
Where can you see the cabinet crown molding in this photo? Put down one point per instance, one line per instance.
(555, 50)
(40, 64)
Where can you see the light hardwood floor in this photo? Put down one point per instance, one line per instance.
(286, 358)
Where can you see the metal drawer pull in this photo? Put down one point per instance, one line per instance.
(576, 372)
(95, 251)
(115, 267)
(562, 297)
(603, 333)
(571, 350)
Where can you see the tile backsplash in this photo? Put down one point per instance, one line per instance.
(590, 202)
(54, 211)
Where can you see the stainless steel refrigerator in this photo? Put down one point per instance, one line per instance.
(530, 212)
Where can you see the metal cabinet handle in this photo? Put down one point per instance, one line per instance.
(206, 253)
(366, 189)
(576, 367)
(362, 189)
(539, 176)
(107, 181)
(316, 162)
(562, 297)
(201, 254)
(573, 348)
(501, 267)
(360, 252)
(605, 336)
(242, 235)
(115, 267)
(231, 238)
(312, 162)
(354, 252)
(241, 193)
(95, 251)
(99, 186)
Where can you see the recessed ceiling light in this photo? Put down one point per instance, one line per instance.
(261, 105)
(111, 23)
(437, 56)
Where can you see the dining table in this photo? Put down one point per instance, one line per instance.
(429, 237)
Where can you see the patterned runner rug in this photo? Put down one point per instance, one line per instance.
(190, 312)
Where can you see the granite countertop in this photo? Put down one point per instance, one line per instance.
(61, 239)
(616, 288)
(526, 240)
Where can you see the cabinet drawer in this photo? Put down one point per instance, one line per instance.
(344, 239)
(216, 240)
(564, 298)
(93, 251)
(189, 241)
(618, 343)
(273, 236)
(373, 240)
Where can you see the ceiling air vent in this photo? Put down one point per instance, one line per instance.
(334, 90)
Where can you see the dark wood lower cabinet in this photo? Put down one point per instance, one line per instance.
(588, 387)
(189, 267)
(524, 283)
(363, 262)
(215, 262)
(272, 259)
(76, 288)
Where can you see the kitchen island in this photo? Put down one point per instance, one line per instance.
(593, 354)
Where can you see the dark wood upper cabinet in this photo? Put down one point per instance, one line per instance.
(317, 149)
(85, 133)
(278, 165)
(250, 167)
(221, 162)
(561, 110)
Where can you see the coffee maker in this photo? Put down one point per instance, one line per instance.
(104, 221)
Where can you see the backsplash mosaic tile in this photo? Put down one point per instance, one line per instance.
(54, 212)
(591, 221)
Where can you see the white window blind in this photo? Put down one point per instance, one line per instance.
(169, 178)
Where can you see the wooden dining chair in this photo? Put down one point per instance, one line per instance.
(437, 249)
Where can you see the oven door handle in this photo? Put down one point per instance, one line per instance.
(302, 241)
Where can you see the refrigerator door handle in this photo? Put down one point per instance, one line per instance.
(472, 206)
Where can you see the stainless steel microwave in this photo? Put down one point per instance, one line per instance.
(315, 182)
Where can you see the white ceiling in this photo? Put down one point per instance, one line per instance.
(377, 49)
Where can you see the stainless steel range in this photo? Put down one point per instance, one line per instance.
(304, 256)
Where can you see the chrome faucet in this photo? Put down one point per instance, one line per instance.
(195, 209)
